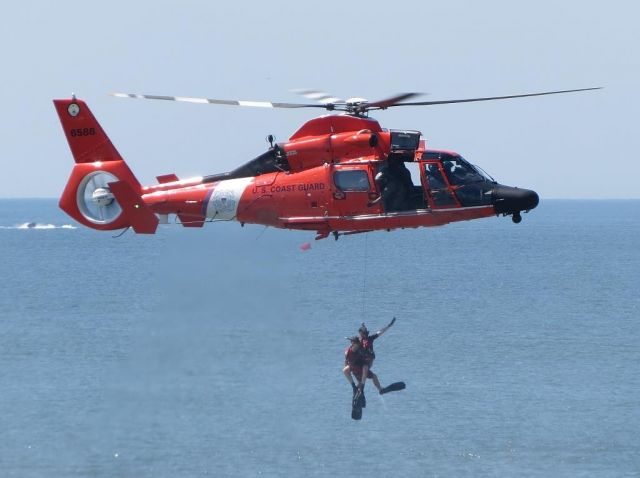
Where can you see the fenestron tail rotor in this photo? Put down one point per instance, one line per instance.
(95, 200)
(352, 106)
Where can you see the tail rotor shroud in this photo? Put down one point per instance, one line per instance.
(95, 200)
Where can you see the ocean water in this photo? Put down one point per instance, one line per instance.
(218, 351)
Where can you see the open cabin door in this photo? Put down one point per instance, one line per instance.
(417, 191)
(399, 182)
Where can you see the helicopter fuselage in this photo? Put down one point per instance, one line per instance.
(330, 177)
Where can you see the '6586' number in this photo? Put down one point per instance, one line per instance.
(83, 132)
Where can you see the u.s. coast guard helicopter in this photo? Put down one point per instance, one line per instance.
(337, 174)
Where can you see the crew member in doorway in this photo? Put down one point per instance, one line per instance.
(395, 184)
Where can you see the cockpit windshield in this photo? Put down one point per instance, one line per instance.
(486, 175)
(460, 172)
(469, 184)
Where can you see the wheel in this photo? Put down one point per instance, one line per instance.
(516, 218)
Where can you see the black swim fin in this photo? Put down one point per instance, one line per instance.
(356, 406)
(394, 387)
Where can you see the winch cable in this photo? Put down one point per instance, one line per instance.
(364, 276)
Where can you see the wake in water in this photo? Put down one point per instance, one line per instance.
(37, 225)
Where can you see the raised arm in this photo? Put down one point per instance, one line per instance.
(385, 328)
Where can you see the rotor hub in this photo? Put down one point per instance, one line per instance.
(102, 196)
(95, 200)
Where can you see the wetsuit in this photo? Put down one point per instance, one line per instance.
(356, 360)
(368, 354)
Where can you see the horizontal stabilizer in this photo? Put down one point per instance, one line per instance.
(167, 178)
(138, 214)
(191, 221)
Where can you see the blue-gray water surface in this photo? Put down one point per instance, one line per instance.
(218, 351)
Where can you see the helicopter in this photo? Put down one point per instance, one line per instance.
(338, 174)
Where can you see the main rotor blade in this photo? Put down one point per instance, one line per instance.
(490, 98)
(317, 95)
(393, 101)
(189, 99)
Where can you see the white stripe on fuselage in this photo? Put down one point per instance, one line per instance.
(224, 201)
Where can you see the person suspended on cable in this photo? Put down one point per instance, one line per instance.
(358, 359)
(354, 361)
(368, 355)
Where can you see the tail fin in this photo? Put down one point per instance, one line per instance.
(87, 140)
(87, 196)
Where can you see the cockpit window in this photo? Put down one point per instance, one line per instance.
(486, 175)
(460, 172)
(438, 189)
(434, 176)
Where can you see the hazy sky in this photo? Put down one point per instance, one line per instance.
(583, 145)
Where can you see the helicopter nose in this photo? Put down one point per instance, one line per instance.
(510, 200)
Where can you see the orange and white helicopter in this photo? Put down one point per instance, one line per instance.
(338, 174)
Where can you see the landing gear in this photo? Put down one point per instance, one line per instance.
(516, 218)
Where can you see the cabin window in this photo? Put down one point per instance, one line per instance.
(352, 180)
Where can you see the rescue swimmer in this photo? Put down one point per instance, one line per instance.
(359, 357)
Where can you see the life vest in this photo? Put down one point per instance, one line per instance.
(367, 347)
